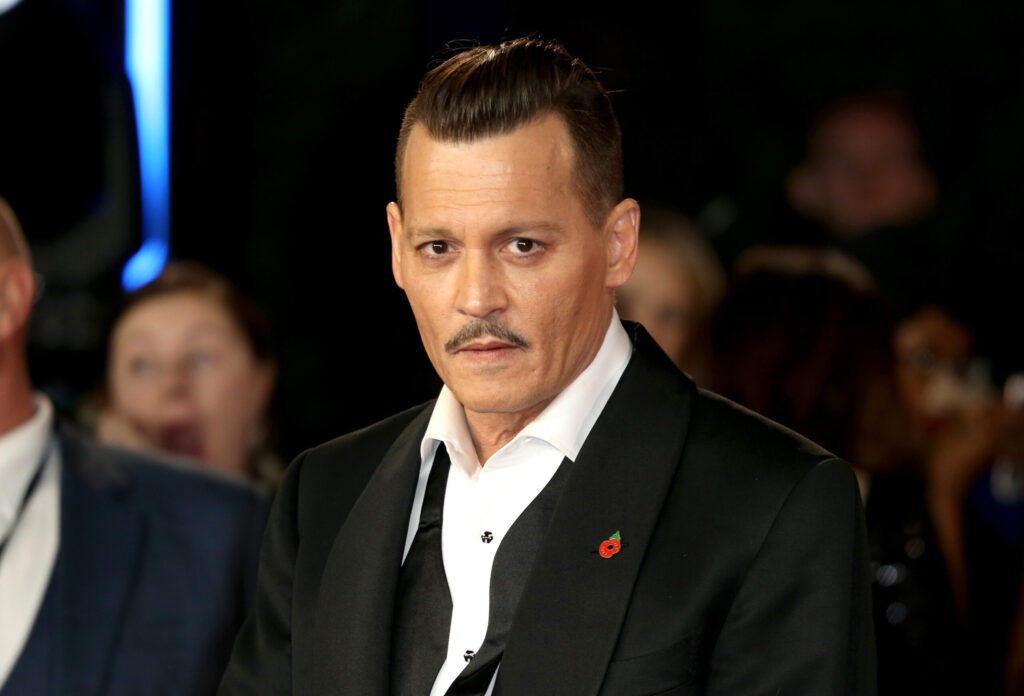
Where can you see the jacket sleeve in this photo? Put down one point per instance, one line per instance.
(261, 659)
(801, 622)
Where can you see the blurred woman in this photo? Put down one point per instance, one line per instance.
(804, 338)
(190, 372)
(971, 446)
(675, 288)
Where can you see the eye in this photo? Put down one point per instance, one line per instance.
(437, 251)
(201, 359)
(522, 246)
(922, 361)
(141, 366)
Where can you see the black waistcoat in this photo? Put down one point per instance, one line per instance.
(513, 562)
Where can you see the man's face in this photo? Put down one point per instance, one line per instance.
(871, 172)
(510, 283)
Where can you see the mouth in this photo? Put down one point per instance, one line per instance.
(484, 346)
(185, 439)
(482, 336)
(487, 351)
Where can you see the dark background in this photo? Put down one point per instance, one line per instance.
(284, 121)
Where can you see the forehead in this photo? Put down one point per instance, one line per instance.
(865, 126)
(527, 170)
(172, 314)
(935, 330)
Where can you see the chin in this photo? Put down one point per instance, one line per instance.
(489, 404)
(490, 401)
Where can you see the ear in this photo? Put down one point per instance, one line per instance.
(621, 238)
(395, 225)
(17, 288)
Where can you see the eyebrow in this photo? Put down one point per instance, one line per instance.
(522, 229)
(137, 335)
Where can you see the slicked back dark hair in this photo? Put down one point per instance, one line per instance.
(487, 91)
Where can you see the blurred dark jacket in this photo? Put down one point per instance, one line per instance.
(153, 577)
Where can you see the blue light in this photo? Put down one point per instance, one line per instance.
(147, 62)
(144, 265)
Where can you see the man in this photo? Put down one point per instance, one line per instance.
(864, 170)
(571, 515)
(119, 575)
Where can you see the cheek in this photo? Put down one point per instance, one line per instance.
(430, 312)
(911, 386)
(426, 313)
(134, 396)
(226, 393)
(571, 297)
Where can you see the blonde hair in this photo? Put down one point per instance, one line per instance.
(12, 239)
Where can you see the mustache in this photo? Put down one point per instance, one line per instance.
(476, 328)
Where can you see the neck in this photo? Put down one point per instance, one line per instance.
(16, 402)
(492, 431)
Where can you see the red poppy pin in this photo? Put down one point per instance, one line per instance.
(610, 546)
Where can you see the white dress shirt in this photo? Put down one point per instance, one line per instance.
(28, 559)
(489, 498)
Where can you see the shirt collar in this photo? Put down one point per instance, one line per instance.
(564, 424)
(20, 450)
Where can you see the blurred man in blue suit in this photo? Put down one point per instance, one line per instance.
(119, 574)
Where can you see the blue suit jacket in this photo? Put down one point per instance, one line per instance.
(152, 578)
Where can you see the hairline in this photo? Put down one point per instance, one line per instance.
(596, 216)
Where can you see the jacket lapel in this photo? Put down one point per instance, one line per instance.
(356, 602)
(100, 544)
(569, 617)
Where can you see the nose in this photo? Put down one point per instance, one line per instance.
(481, 290)
(174, 382)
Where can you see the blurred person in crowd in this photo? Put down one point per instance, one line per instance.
(559, 519)
(865, 187)
(120, 574)
(803, 337)
(969, 441)
(675, 289)
(864, 168)
(954, 424)
(190, 372)
(1012, 458)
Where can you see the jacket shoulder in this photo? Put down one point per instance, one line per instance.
(330, 477)
(371, 442)
(152, 480)
(739, 470)
(748, 442)
(198, 522)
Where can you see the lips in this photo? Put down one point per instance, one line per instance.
(483, 346)
(185, 439)
(489, 352)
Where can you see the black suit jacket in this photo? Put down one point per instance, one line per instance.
(743, 567)
(152, 580)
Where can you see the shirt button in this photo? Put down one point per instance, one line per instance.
(487, 537)
(469, 655)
